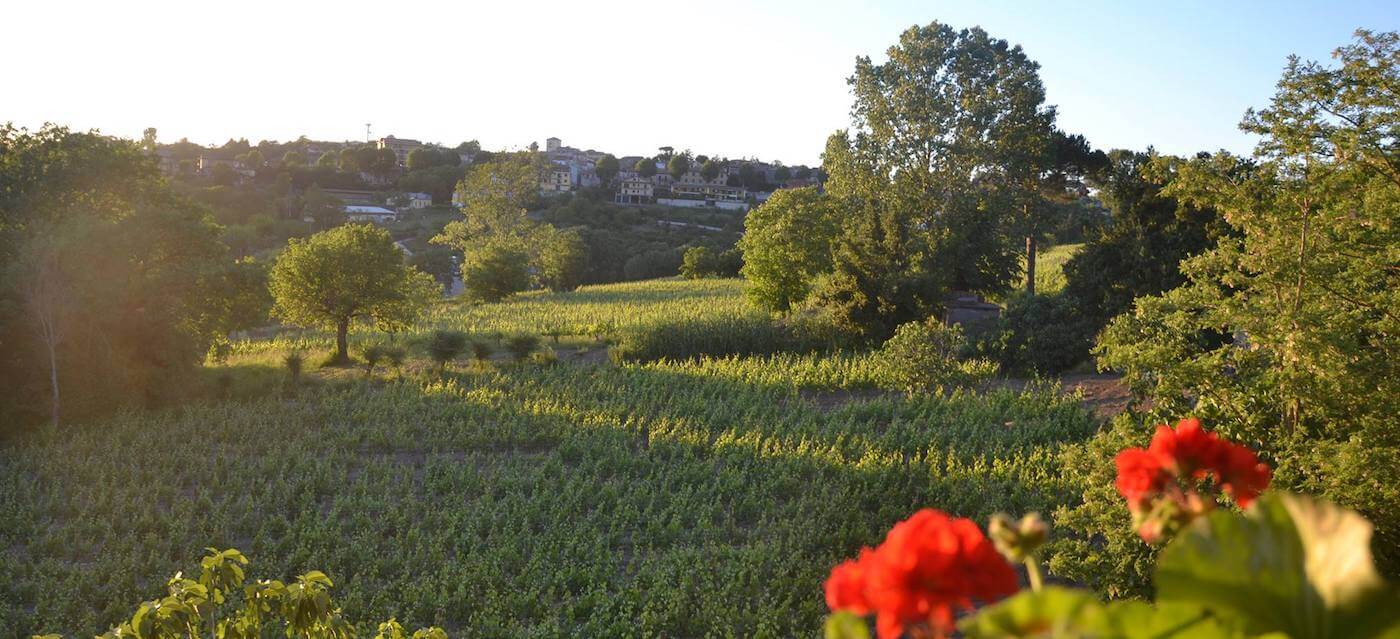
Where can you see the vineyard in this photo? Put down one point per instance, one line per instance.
(581, 498)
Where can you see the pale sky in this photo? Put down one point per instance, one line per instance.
(720, 77)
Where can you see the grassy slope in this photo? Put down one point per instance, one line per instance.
(1049, 267)
(519, 500)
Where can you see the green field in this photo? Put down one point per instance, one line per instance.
(579, 499)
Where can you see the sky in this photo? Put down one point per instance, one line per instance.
(720, 77)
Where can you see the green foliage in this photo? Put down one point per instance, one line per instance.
(606, 168)
(348, 272)
(445, 346)
(922, 357)
(110, 283)
(677, 166)
(1284, 333)
(787, 244)
(562, 261)
(495, 270)
(223, 605)
(481, 350)
(521, 345)
(372, 356)
(930, 175)
(1100, 548)
(702, 261)
(689, 338)
(1038, 335)
(1138, 252)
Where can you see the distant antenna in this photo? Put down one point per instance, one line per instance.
(367, 136)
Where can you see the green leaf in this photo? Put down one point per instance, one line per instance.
(1292, 565)
(1139, 620)
(1052, 612)
(845, 625)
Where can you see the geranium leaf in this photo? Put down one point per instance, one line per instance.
(1052, 612)
(1292, 565)
(845, 625)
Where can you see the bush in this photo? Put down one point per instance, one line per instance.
(293, 361)
(481, 350)
(495, 271)
(1038, 334)
(752, 334)
(521, 345)
(373, 355)
(445, 346)
(922, 357)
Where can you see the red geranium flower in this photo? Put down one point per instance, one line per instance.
(1242, 475)
(929, 566)
(1140, 476)
(845, 588)
(1161, 482)
(1189, 450)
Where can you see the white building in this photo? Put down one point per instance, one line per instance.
(375, 214)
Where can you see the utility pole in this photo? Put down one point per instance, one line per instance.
(367, 136)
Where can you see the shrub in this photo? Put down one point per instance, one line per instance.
(481, 350)
(521, 345)
(445, 346)
(293, 362)
(698, 262)
(373, 355)
(922, 357)
(1038, 334)
(752, 334)
(395, 356)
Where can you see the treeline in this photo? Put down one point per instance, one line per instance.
(114, 286)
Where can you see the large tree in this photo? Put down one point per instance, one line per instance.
(645, 167)
(1287, 332)
(109, 281)
(348, 272)
(935, 139)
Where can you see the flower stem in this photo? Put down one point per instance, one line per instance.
(1033, 572)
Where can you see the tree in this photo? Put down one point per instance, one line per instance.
(349, 160)
(606, 168)
(782, 174)
(324, 210)
(108, 279)
(348, 272)
(436, 261)
(1286, 333)
(223, 175)
(422, 158)
(562, 261)
(698, 262)
(294, 158)
(253, 159)
(445, 346)
(677, 166)
(495, 270)
(148, 139)
(645, 167)
(1138, 253)
(933, 139)
(666, 152)
(709, 170)
(328, 160)
(787, 244)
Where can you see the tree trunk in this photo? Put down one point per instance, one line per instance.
(342, 351)
(53, 379)
(1030, 264)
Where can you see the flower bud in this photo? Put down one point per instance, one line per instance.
(1017, 540)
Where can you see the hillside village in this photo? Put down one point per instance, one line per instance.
(368, 178)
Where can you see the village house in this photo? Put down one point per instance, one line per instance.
(635, 190)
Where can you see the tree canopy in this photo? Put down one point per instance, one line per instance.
(348, 272)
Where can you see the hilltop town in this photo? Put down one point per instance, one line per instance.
(400, 172)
